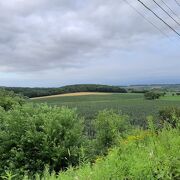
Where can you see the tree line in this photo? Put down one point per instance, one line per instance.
(38, 92)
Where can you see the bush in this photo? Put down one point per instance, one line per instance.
(109, 126)
(8, 99)
(152, 95)
(32, 136)
(170, 115)
(141, 155)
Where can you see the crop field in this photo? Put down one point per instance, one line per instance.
(132, 104)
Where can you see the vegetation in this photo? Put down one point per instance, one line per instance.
(8, 99)
(151, 95)
(137, 90)
(158, 87)
(170, 115)
(32, 136)
(134, 105)
(141, 155)
(109, 127)
(38, 141)
(37, 92)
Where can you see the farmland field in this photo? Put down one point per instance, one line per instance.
(132, 104)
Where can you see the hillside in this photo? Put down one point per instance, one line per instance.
(41, 91)
(144, 155)
(162, 87)
(38, 92)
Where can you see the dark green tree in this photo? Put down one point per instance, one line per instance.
(150, 95)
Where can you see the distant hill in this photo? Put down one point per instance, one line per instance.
(163, 87)
(38, 92)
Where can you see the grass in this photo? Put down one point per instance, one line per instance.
(143, 155)
(172, 98)
(132, 104)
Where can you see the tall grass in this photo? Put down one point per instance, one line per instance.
(144, 155)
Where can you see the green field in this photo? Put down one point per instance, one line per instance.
(132, 104)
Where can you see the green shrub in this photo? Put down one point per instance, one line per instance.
(32, 136)
(8, 99)
(142, 155)
(109, 126)
(170, 115)
(152, 95)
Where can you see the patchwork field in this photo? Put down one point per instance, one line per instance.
(132, 104)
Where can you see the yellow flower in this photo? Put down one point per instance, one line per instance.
(136, 137)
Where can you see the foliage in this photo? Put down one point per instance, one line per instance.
(8, 99)
(137, 90)
(134, 105)
(150, 95)
(109, 126)
(142, 155)
(170, 115)
(37, 92)
(32, 136)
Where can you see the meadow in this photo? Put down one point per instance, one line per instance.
(132, 104)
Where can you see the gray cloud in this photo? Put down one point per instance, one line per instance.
(82, 40)
(42, 34)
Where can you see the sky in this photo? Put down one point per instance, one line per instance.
(52, 43)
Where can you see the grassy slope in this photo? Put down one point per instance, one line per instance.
(143, 155)
(132, 104)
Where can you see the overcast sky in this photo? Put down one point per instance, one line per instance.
(60, 42)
